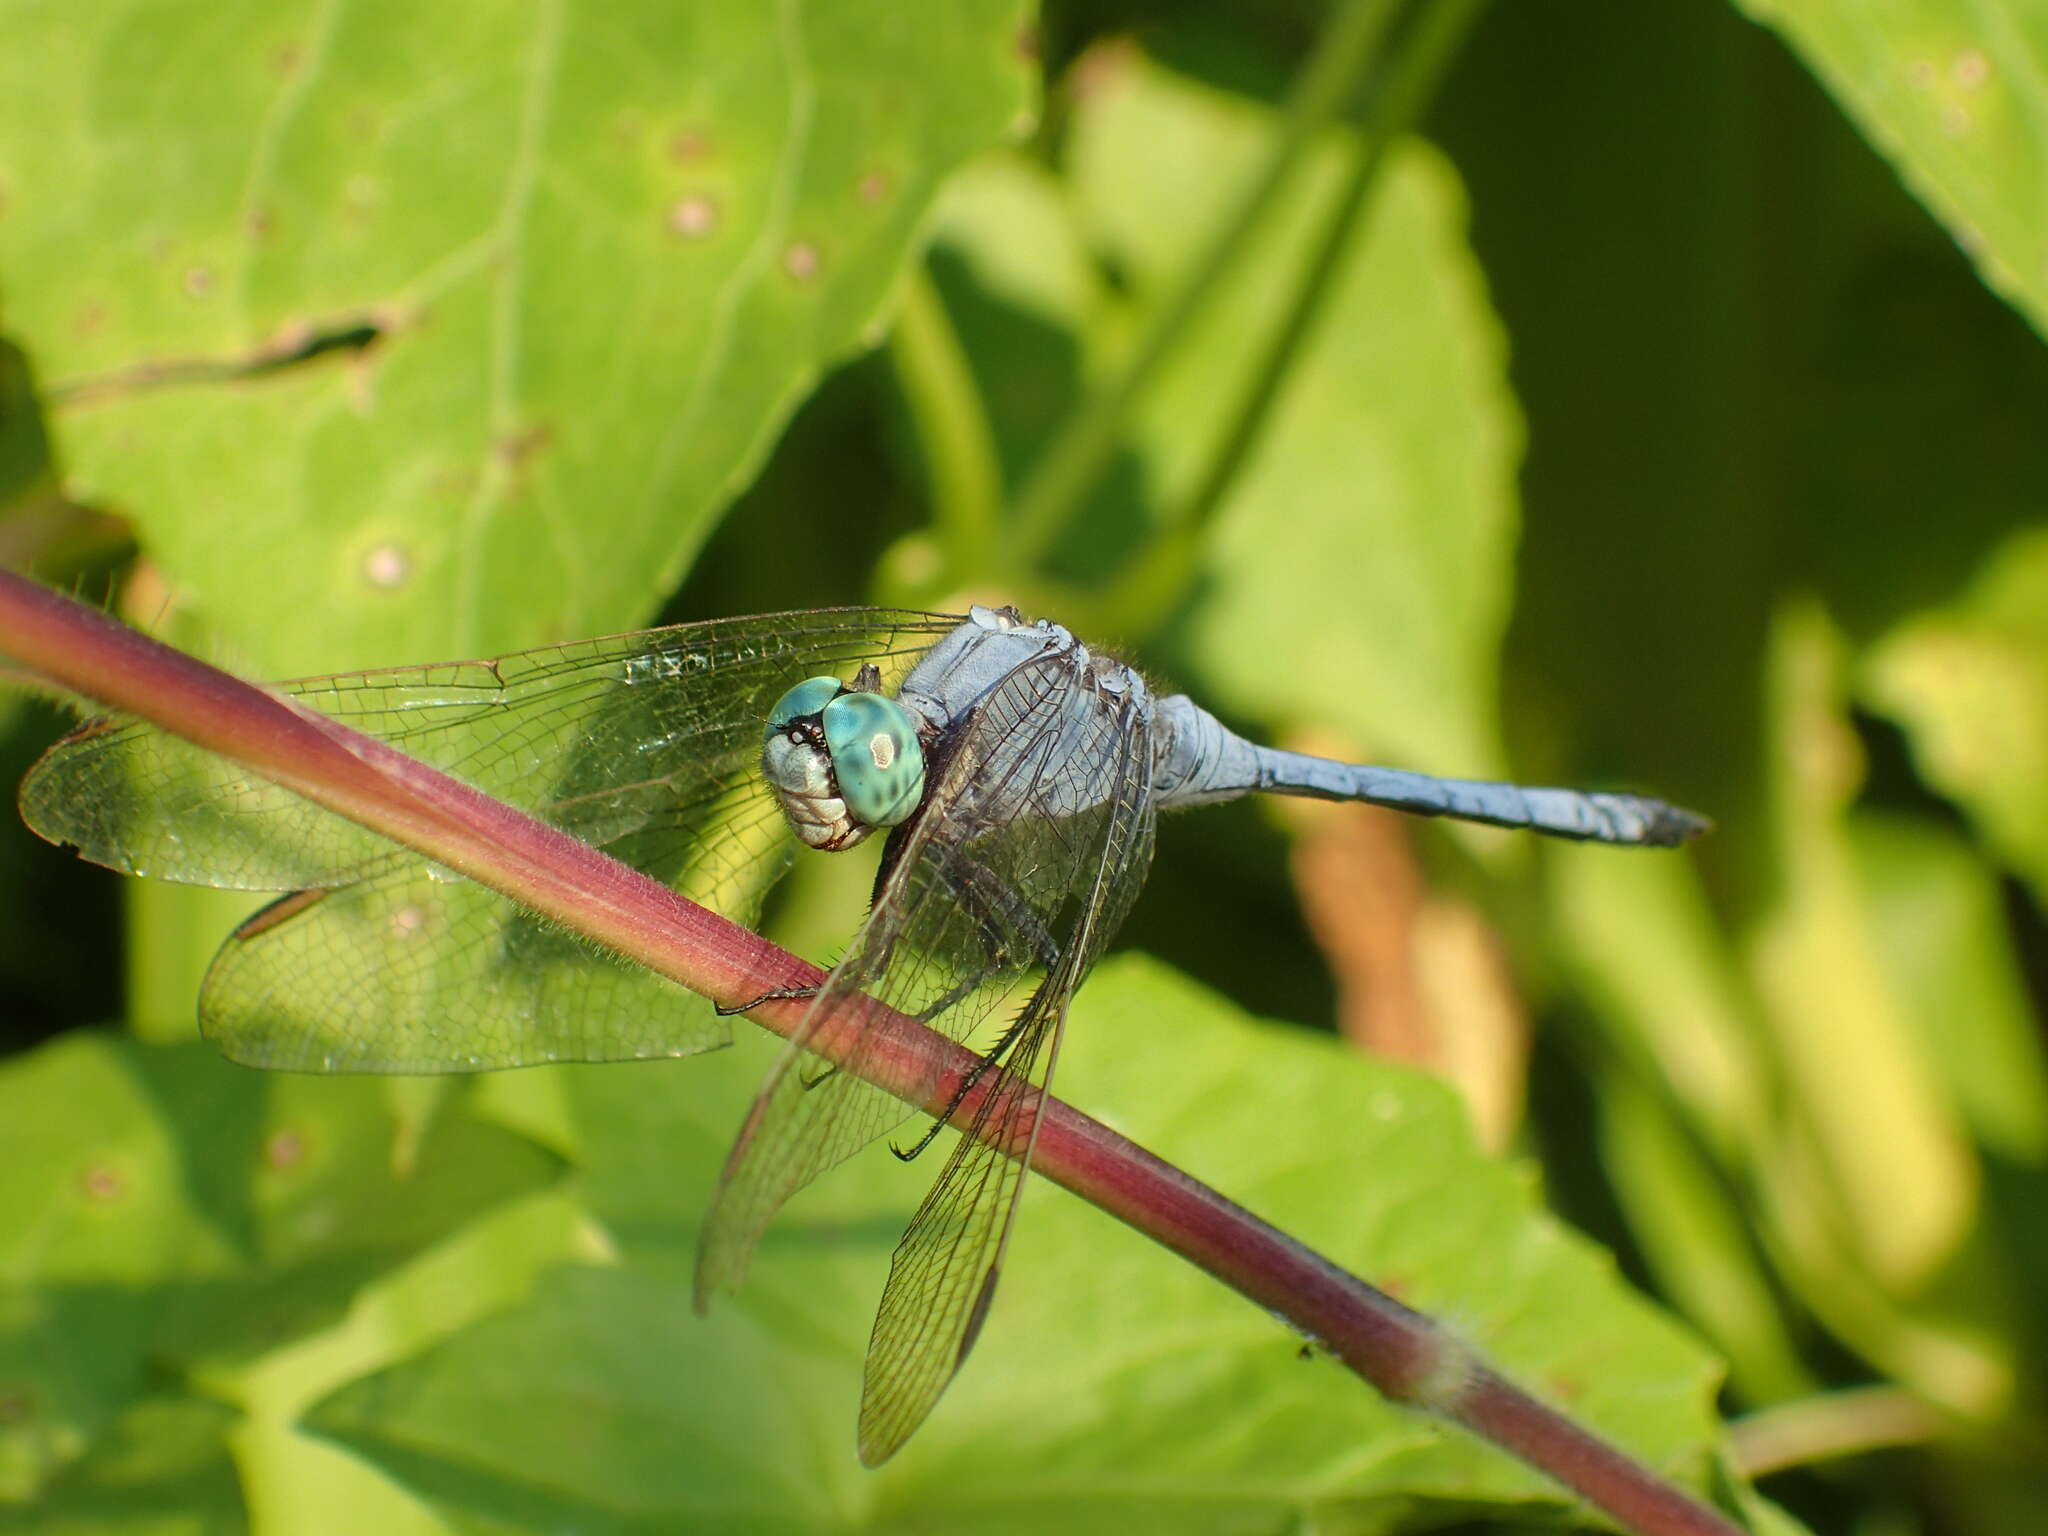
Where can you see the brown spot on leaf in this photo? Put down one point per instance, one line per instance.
(800, 261)
(387, 566)
(284, 1149)
(693, 217)
(519, 448)
(1098, 70)
(101, 1182)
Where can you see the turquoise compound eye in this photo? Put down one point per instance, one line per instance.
(806, 698)
(876, 756)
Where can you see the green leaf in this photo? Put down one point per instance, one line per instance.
(605, 250)
(26, 474)
(163, 1469)
(1969, 685)
(166, 1206)
(1874, 1190)
(101, 1214)
(1946, 939)
(1695, 1239)
(1370, 538)
(1887, 1141)
(344, 1187)
(603, 1405)
(1108, 1367)
(1955, 96)
(296, 1479)
(1684, 1109)
(1642, 941)
(1885, 1135)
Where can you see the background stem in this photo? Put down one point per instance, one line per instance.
(1060, 482)
(946, 412)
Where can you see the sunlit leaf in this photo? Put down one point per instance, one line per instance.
(1887, 1143)
(102, 1214)
(1947, 939)
(167, 1209)
(1969, 683)
(604, 250)
(1954, 94)
(1108, 1366)
(1370, 539)
(164, 1468)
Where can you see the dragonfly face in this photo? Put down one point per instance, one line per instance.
(842, 761)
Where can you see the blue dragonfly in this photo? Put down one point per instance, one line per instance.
(1016, 774)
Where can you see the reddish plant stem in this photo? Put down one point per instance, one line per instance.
(1400, 1351)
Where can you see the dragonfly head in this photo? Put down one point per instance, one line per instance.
(842, 760)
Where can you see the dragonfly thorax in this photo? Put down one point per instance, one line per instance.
(842, 761)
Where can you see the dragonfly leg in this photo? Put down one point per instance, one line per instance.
(975, 1074)
(780, 994)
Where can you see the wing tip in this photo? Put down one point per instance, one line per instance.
(725, 1249)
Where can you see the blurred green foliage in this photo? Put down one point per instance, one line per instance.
(1592, 394)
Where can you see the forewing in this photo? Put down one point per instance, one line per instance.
(943, 1274)
(988, 895)
(646, 745)
(600, 737)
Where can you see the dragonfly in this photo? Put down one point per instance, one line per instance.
(1015, 774)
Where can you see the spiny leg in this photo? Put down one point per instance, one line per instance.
(974, 1075)
(780, 994)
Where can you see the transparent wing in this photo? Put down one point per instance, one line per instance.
(409, 971)
(943, 1274)
(600, 737)
(1029, 849)
(644, 744)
